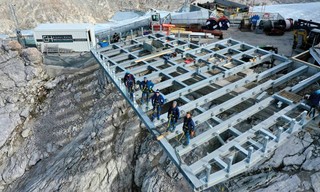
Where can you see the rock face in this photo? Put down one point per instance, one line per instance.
(77, 130)
(18, 88)
(32, 12)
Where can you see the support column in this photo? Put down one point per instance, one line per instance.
(265, 144)
(230, 159)
(114, 75)
(291, 126)
(303, 117)
(249, 157)
(279, 132)
(134, 101)
(120, 83)
(208, 170)
(108, 66)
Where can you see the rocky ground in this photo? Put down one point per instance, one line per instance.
(74, 132)
(295, 166)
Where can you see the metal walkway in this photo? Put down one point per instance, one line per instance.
(242, 111)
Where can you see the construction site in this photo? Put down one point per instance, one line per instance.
(243, 76)
(246, 101)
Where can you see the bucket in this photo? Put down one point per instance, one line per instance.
(104, 44)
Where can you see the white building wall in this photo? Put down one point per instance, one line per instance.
(77, 46)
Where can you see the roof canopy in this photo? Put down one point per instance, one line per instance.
(64, 26)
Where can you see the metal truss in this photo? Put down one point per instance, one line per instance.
(224, 88)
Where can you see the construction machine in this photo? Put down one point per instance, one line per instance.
(245, 24)
(304, 35)
(167, 24)
(315, 48)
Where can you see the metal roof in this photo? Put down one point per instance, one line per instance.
(230, 3)
(63, 27)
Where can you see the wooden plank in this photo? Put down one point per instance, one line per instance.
(153, 55)
(181, 32)
(163, 135)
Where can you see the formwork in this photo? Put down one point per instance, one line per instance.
(245, 101)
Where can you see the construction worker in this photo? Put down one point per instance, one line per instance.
(146, 86)
(313, 102)
(115, 37)
(188, 128)
(129, 82)
(173, 116)
(157, 101)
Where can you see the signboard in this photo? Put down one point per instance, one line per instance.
(57, 38)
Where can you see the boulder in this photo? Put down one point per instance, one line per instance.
(52, 84)
(294, 160)
(292, 147)
(312, 164)
(15, 169)
(315, 179)
(35, 157)
(32, 55)
(308, 152)
(5, 81)
(32, 72)
(306, 185)
(307, 139)
(13, 46)
(291, 184)
(26, 112)
(15, 71)
(153, 182)
(6, 128)
(25, 133)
